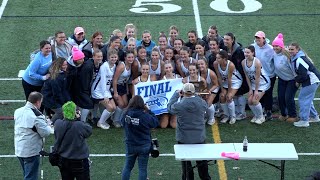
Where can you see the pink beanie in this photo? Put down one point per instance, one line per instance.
(278, 41)
(77, 54)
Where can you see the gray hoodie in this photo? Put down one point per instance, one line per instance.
(190, 113)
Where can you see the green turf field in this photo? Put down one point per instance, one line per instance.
(25, 23)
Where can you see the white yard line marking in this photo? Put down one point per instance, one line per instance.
(23, 101)
(197, 17)
(3, 6)
(163, 155)
(11, 101)
(95, 155)
(10, 79)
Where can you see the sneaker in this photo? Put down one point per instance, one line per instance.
(253, 119)
(314, 119)
(103, 125)
(232, 121)
(211, 122)
(117, 124)
(283, 118)
(240, 116)
(224, 120)
(260, 120)
(301, 124)
(268, 116)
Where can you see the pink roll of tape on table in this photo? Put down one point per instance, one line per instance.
(232, 155)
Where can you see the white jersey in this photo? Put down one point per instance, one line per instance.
(188, 79)
(157, 72)
(175, 77)
(148, 80)
(100, 88)
(264, 83)
(209, 81)
(236, 79)
(125, 75)
(184, 69)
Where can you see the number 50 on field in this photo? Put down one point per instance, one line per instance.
(141, 6)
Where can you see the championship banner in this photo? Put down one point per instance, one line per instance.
(156, 94)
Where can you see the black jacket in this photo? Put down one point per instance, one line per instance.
(55, 92)
(80, 79)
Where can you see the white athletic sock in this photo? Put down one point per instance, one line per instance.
(259, 110)
(84, 114)
(211, 110)
(224, 108)
(242, 104)
(104, 116)
(231, 109)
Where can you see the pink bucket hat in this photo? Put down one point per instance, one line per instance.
(260, 34)
(278, 41)
(78, 30)
(77, 54)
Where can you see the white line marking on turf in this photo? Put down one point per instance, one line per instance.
(11, 101)
(197, 17)
(163, 155)
(2, 7)
(10, 79)
(95, 155)
(23, 101)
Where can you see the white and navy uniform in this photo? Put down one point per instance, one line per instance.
(124, 76)
(188, 79)
(123, 79)
(209, 82)
(264, 83)
(100, 88)
(184, 69)
(175, 77)
(139, 79)
(157, 72)
(236, 79)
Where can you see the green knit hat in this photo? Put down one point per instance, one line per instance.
(69, 110)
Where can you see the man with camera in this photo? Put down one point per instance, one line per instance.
(137, 122)
(190, 110)
(29, 129)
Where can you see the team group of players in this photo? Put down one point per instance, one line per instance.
(101, 76)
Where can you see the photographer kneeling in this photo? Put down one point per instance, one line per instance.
(191, 126)
(137, 122)
(70, 142)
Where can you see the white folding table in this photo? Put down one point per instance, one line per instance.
(256, 151)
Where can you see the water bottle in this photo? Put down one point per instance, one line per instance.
(245, 144)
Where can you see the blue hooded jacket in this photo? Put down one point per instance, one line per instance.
(137, 124)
